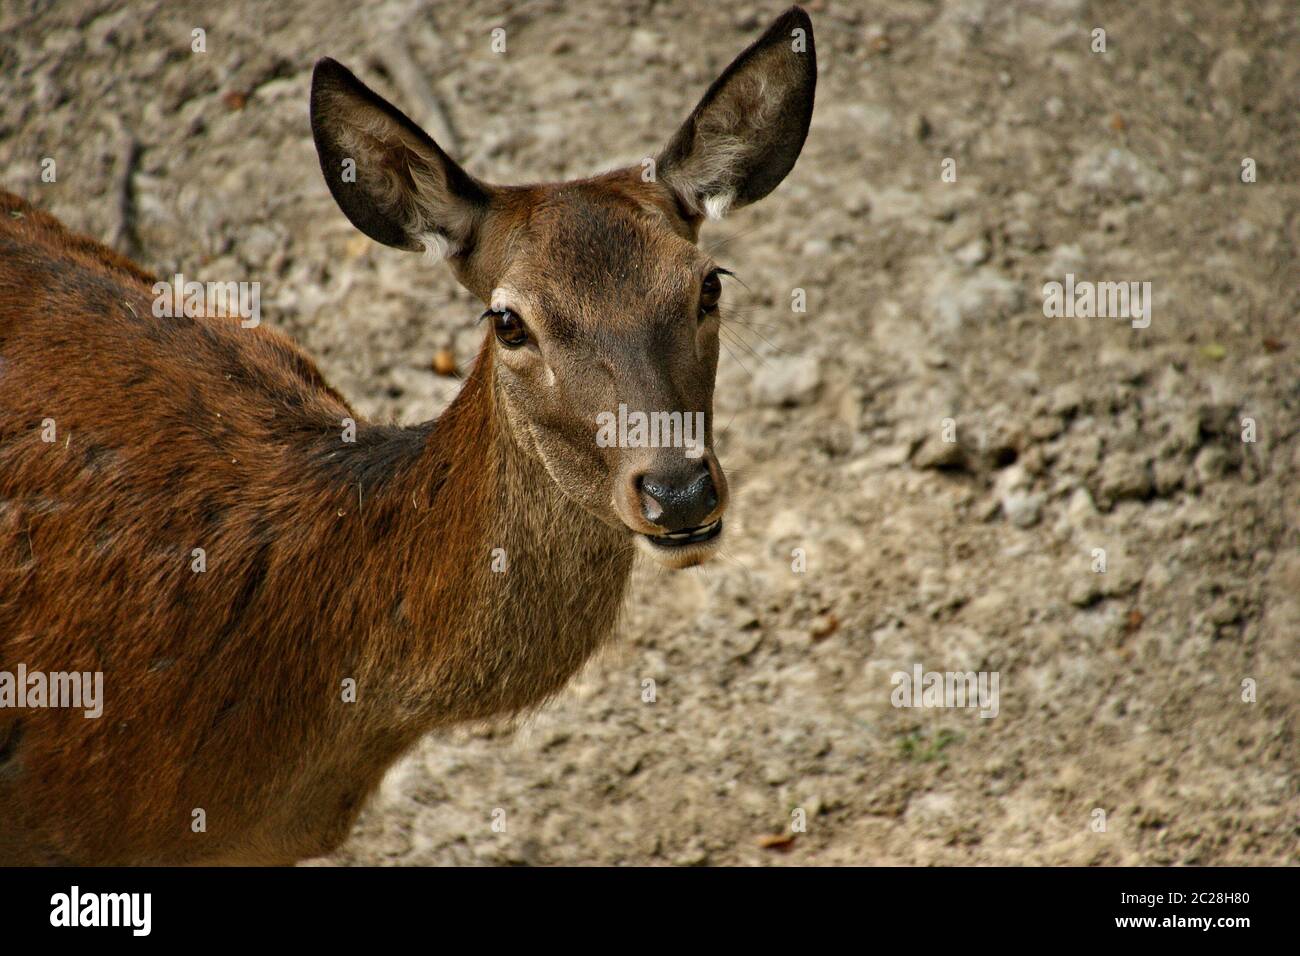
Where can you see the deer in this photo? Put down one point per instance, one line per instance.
(350, 599)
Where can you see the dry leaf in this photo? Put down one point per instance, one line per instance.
(824, 627)
(444, 362)
(776, 841)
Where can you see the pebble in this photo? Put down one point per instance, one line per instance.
(985, 295)
(1022, 508)
(1084, 591)
(1118, 173)
(936, 453)
(1125, 476)
(1080, 507)
(787, 380)
(972, 254)
(1211, 464)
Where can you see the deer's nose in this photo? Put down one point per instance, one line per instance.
(678, 500)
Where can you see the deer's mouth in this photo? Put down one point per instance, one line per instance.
(682, 549)
(686, 537)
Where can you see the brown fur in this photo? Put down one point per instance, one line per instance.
(224, 689)
(326, 560)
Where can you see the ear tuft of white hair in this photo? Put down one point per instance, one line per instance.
(437, 246)
(716, 206)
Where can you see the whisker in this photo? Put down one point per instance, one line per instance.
(724, 553)
(766, 341)
(724, 344)
(745, 345)
(728, 425)
(727, 240)
(742, 282)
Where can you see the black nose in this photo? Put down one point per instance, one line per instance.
(678, 501)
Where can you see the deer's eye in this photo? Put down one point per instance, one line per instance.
(509, 328)
(710, 293)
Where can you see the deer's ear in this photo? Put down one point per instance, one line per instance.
(745, 135)
(387, 175)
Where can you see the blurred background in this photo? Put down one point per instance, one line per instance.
(1121, 692)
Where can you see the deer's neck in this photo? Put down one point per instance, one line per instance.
(500, 587)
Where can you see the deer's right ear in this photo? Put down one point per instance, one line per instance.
(388, 176)
(745, 135)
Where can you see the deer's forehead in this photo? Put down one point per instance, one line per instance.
(581, 259)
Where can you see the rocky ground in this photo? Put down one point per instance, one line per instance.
(1121, 692)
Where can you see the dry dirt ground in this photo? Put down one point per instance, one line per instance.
(1120, 692)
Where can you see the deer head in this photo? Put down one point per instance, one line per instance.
(603, 312)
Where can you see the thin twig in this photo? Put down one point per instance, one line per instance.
(406, 73)
(123, 235)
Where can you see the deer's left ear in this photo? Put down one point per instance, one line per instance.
(745, 135)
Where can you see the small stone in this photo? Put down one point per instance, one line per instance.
(1080, 507)
(1022, 510)
(1084, 591)
(647, 44)
(1168, 475)
(1118, 173)
(972, 254)
(1211, 464)
(981, 296)
(1046, 427)
(692, 855)
(1066, 399)
(1227, 76)
(1081, 456)
(1034, 461)
(1065, 260)
(1185, 430)
(935, 453)
(1113, 220)
(1011, 478)
(787, 381)
(775, 773)
(1023, 234)
(1225, 610)
(935, 360)
(1125, 476)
